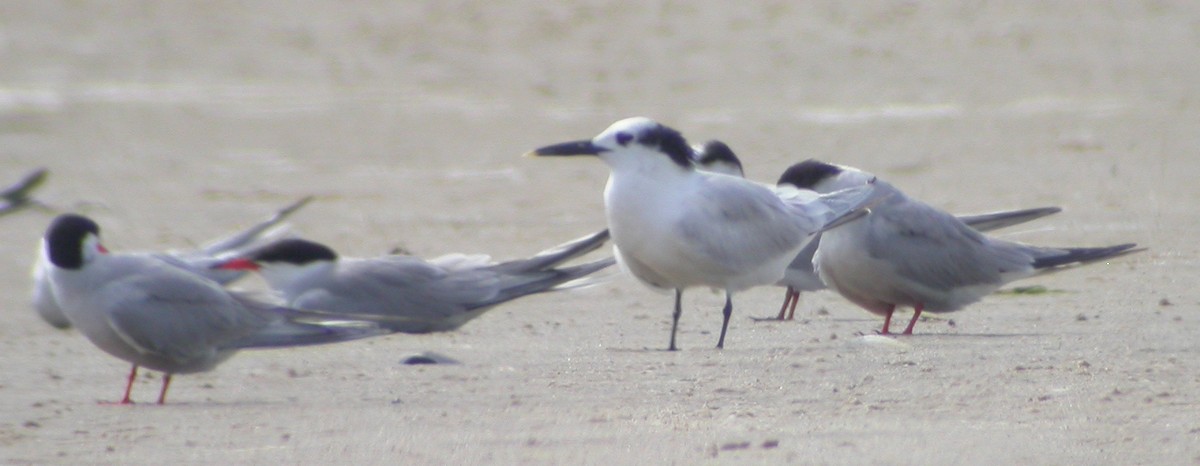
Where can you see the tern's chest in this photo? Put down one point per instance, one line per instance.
(844, 258)
(641, 211)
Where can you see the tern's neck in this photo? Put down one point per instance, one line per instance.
(646, 184)
(651, 169)
(634, 200)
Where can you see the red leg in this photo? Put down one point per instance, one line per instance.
(129, 386)
(162, 395)
(795, 300)
(916, 315)
(787, 296)
(887, 320)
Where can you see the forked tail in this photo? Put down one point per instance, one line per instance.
(554, 256)
(1048, 258)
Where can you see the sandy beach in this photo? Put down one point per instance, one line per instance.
(171, 123)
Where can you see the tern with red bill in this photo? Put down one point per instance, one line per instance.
(195, 260)
(154, 314)
(801, 276)
(908, 253)
(413, 295)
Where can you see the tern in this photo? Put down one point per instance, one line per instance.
(417, 296)
(908, 253)
(196, 260)
(801, 276)
(674, 227)
(157, 315)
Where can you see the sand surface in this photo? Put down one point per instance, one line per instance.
(174, 122)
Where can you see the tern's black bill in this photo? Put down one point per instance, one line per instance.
(570, 148)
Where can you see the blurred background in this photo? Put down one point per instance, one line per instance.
(173, 122)
(149, 111)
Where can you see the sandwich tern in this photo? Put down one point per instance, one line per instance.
(675, 227)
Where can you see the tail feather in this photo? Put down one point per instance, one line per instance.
(367, 323)
(1047, 258)
(997, 220)
(554, 256)
(547, 280)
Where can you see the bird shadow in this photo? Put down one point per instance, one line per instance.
(193, 404)
(644, 350)
(902, 337)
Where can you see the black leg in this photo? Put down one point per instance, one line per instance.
(675, 317)
(728, 311)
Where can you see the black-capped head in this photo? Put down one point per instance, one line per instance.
(293, 251)
(71, 241)
(716, 156)
(665, 139)
(628, 134)
(809, 173)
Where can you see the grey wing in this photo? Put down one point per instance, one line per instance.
(818, 211)
(933, 249)
(18, 196)
(401, 286)
(459, 261)
(997, 220)
(197, 263)
(175, 315)
(21, 189)
(739, 224)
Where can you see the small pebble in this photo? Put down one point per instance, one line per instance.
(735, 446)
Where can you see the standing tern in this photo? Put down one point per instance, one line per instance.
(674, 227)
(418, 296)
(196, 261)
(907, 253)
(154, 314)
(801, 276)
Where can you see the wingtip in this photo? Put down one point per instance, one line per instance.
(1086, 255)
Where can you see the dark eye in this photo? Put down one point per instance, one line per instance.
(624, 138)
